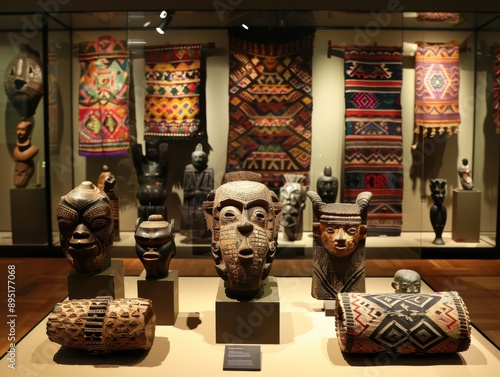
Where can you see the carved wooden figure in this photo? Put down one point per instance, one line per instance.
(465, 174)
(339, 233)
(23, 153)
(244, 217)
(293, 198)
(109, 189)
(85, 221)
(198, 182)
(438, 210)
(102, 325)
(155, 245)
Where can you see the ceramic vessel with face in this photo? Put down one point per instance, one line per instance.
(327, 186)
(406, 281)
(339, 233)
(155, 245)
(244, 216)
(85, 221)
(293, 198)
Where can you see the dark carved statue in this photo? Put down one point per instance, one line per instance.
(85, 221)
(152, 169)
(327, 186)
(23, 81)
(23, 153)
(109, 189)
(465, 174)
(244, 217)
(155, 245)
(406, 281)
(198, 182)
(293, 197)
(438, 210)
(339, 233)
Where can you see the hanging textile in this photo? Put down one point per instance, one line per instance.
(496, 87)
(103, 97)
(373, 139)
(437, 82)
(270, 105)
(173, 87)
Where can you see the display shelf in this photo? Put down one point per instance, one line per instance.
(308, 344)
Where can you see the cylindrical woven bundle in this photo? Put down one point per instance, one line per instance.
(402, 323)
(102, 325)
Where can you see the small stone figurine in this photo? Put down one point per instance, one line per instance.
(23, 153)
(406, 281)
(438, 210)
(198, 182)
(339, 233)
(244, 217)
(293, 198)
(327, 186)
(152, 169)
(155, 245)
(465, 174)
(85, 221)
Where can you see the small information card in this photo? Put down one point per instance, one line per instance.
(242, 357)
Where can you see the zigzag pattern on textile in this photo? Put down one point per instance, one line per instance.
(373, 158)
(270, 105)
(437, 84)
(173, 90)
(103, 97)
(496, 87)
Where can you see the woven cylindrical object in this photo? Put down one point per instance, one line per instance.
(102, 325)
(402, 323)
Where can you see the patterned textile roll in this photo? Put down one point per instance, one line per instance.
(437, 83)
(102, 325)
(402, 323)
(496, 87)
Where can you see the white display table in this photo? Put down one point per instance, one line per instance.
(308, 344)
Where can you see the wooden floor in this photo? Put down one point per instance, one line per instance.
(41, 283)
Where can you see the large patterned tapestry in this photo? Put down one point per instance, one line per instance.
(270, 106)
(373, 139)
(173, 83)
(496, 87)
(103, 97)
(402, 323)
(437, 82)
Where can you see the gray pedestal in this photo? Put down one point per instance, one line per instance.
(28, 213)
(106, 283)
(329, 308)
(164, 293)
(466, 215)
(255, 321)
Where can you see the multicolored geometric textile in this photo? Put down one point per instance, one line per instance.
(496, 87)
(270, 106)
(373, 159)
(402, 323)
(437, 83)
(173, 86)
(103, 97)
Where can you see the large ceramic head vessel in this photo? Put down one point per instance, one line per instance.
(339, 232)
(244, 217)
(155, 245)
(85, 221)
(23, 81)
(327, 186)
(293, 198)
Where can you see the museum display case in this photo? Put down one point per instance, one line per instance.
(394, 158)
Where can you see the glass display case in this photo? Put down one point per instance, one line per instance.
(406, 157)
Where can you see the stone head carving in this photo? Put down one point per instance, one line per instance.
(293, 198)
(244, 217)
(155, 245)
(199, 158)
(23, 81)
(438, 190)
(339, 233)
(341, 226)
(327, 186)
(465, 174)
(85, 221)
(406, 281)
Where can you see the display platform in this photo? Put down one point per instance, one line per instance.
(308, 344)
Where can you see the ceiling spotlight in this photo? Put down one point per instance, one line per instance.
(163, 14)
(244, 26)
(165, 22)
